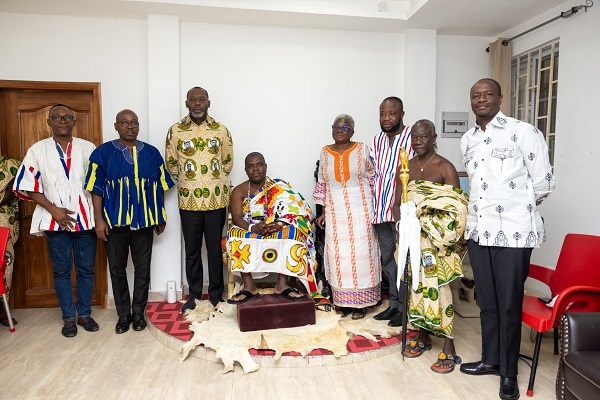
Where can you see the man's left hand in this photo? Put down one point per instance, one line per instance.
(160, 228)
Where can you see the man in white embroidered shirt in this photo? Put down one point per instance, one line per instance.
(509, 174)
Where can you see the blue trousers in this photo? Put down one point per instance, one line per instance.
(65, 247)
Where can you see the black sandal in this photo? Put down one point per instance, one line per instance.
(359, 313)
(344, 311)
(243, 292)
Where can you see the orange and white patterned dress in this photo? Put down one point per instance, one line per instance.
(351, 258)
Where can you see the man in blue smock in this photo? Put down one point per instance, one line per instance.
(127, 179)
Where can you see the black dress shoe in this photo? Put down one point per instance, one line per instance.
(139, 323)
(189, 305)
(479, 368)
(69, 329)
(389, 313)
(216, 300)
(397, 320)
(88, 324)
(509, 390)
(123, 324)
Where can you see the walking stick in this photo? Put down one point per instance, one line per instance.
(404, 176)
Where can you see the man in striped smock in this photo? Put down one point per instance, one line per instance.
(51, 175)
(128, 179)
(385, 151)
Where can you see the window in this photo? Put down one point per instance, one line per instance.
(534, 88)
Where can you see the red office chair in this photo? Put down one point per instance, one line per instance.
(576, 282)
(4, 234)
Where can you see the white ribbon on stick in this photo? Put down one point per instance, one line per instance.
(409, 240)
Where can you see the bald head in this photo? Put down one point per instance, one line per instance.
(124, 112)
(490, 80)
(424, 124)
(50, 112)
(187, 96)
(423, 136)
(254, 154)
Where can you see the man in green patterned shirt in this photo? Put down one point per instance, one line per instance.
(199, 153)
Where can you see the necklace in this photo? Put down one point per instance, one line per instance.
(423, 166)
(265, 206)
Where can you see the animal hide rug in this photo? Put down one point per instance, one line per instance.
(218, 329)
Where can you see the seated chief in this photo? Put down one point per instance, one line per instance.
(272, 232)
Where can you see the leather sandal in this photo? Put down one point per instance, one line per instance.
(416, 349)
(444, 358)
(359, 313)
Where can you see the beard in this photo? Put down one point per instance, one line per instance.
(394, 128)
(200, 114)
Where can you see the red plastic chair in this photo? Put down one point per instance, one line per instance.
(4, 234)
(576, 282)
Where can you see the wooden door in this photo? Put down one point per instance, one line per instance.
(24, 110)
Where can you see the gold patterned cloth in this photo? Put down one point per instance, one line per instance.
(442, 213)
(9, 214)
(200, 158)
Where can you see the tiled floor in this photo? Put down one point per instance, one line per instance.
(38, 363)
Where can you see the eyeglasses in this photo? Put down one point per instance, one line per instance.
(344, 128)
(66, 118)
(125, 124)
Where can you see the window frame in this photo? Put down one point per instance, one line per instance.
(539, 79)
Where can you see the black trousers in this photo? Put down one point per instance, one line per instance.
(500, 274)
(207, 224)
(118, 242)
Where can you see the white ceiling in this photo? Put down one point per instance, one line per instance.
(448, 17)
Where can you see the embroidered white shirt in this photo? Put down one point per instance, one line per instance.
(509, 175)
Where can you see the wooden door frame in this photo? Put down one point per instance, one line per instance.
(94, 88)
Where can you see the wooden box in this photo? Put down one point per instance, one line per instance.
(274, 312)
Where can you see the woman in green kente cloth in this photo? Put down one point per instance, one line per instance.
(9, 218)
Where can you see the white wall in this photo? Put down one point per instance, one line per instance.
(461, 61)
(163, 110)
(278, 90)
(110, 51)
(572, 207)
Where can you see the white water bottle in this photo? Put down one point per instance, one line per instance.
(171, 292)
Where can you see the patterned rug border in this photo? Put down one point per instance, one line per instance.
(168, 322)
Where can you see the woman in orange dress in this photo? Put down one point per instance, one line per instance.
(344, 189)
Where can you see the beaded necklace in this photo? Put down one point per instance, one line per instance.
(265, 206)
